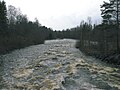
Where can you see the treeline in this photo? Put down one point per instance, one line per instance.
(101, 41)
(96, 40)
(16, 31)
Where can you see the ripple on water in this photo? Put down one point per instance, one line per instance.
(57, 65)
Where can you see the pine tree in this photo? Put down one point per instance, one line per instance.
(3, 17)
(111, 15)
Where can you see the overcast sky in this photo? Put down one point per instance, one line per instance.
(59, 14)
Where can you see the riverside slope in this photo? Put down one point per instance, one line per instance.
(56, 65)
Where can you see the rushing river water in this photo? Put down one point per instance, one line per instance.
(56, 65)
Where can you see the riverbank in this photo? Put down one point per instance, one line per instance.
(7, 47)
(113, 58)
(109, 57)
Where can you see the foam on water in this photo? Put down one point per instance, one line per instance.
(56, 65)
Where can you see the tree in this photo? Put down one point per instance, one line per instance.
(111, 15)
(106, 12)
(3, 18)
(14, 15)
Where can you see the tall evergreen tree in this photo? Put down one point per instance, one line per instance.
(3, 17)
(111, 15)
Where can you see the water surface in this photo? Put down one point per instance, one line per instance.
(56, 65)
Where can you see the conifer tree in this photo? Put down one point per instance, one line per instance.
(3, 17)
(111, 15)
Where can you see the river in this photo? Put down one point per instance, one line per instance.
(56, 65)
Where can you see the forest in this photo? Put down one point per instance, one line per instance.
(16, 31)
(101, 41)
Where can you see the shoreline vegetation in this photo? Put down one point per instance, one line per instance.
(16, 31)
(112, 58)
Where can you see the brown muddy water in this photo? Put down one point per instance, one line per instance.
(56, 65)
